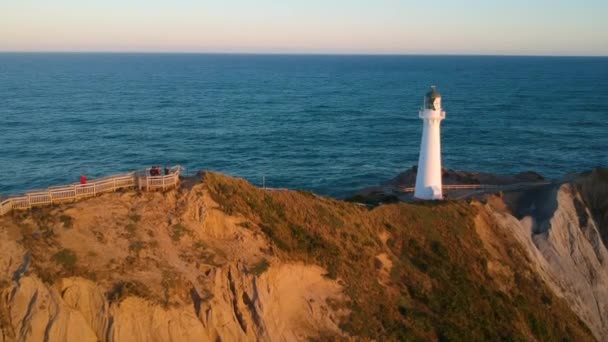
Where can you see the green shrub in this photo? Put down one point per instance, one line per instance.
(123, 289)
(68, 221)
(135, 217)
(246, 224)
(204, 254)
(131, 228)
(136, 247)
(66, 258)
(259, 268)
(47, 232)
(177, 231)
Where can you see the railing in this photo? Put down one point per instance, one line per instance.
(6, 206)
(76, 192)
(482, 186)
(454, 187)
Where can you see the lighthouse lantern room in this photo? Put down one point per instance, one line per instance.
(428, 176)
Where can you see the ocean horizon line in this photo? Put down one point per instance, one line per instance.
(295, 54)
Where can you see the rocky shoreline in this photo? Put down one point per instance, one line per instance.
(393, 189)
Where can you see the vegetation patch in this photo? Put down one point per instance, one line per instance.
(440, 288)
(123, 289)
(66, 258)
(131, 228)
(136, 246)
(204, 254)
(135, 217)
(246, 224)
(173, 286)
(259, 268)
(68, 221)
(177, 231)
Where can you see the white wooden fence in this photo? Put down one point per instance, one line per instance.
(455, 187)
(75, 192)
(484, 186)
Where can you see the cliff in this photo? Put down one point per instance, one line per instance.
(219, 259)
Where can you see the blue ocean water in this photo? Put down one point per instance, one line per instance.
(330, 124)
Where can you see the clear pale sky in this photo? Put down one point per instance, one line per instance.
(514, 27)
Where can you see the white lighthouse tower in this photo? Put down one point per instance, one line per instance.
(428, 176)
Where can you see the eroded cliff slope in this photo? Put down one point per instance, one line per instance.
(220, 259)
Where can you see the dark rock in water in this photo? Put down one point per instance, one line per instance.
(453, 177)
(529, 176)
(405, 178)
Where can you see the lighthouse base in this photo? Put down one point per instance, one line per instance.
(428, 193)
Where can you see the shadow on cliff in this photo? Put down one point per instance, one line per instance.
(540, 203)
(594, 188)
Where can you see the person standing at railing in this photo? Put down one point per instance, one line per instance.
(167, 170)
(83, 179)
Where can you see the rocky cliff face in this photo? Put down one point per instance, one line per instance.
(564, 244)
(285, 303)
(222, 260)
(126, 267)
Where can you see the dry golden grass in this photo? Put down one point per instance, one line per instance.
(440, 287)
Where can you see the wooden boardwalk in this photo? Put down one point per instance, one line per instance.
(75, 192)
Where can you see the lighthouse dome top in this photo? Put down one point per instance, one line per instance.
(432, 99)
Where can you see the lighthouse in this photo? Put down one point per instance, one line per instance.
(428, 176)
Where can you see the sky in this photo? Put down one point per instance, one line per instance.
(513, 27)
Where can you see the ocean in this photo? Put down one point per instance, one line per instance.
(328, 124)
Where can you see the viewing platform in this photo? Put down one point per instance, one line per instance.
(145, 180)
